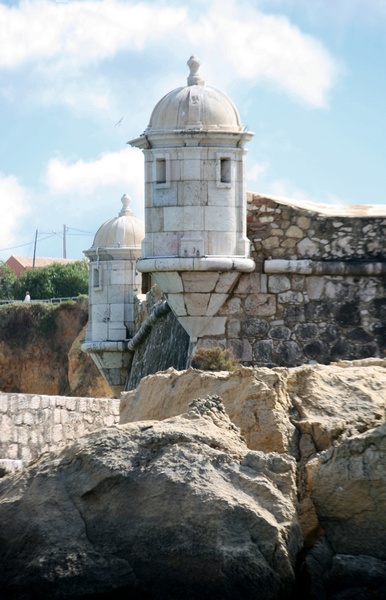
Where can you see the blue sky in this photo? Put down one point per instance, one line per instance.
(79, 78)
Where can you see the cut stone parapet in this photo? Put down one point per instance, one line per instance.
(205, 263)
(333, 267)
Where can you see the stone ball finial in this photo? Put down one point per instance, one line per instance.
(194, 76)
(125, 210)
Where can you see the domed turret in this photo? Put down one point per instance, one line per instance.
(195, 243)
(195, 107)
(113, 285)
(125, 230)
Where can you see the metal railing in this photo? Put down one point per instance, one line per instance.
(46, 300)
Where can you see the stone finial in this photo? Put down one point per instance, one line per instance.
(125, 210)
(194, 77)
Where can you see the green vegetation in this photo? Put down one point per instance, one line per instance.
(213, 359)
(7, 281)
(54, 281)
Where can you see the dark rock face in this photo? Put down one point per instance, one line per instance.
(167, 346)
(157, 510)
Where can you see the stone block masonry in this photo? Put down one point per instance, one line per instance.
(32, 424)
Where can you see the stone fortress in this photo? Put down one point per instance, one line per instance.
(296, 504)
(278, 282)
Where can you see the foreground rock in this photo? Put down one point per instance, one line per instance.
(306, 412)
(300, 411)
(167, 510)
(349, 493)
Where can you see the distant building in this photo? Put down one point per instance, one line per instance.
(19, 264)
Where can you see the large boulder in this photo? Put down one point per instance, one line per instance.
(300, 411)
(166, 510)
(348, 489)
(255, 400)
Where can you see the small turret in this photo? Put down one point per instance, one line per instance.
(113, 285)
(195, 242)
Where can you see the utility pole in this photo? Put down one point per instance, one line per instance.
(64, 242)
(36, 239)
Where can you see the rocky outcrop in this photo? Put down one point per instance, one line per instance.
(182, 507)
(300, 411)
(165, 510)
(329, 418)
(348, 489)
(40, 351)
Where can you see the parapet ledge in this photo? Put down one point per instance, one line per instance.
(331, 267)
(204, 263)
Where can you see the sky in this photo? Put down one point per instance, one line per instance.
(79, 79)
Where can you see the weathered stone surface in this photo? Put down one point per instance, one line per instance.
(166, 345)
(255, 400)
(349, 494)
(256, 328)
(300, 411)
(328, 403)
(263, 351)
(338, 401)
(158, 510)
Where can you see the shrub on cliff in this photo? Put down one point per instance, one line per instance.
(7, 280)
(213, 359)
(54, 281)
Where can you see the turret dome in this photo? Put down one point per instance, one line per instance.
(195, 107)
(124, 231)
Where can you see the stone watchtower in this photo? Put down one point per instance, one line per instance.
(195, 242)
(113, 286)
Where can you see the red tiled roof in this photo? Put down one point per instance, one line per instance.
(22, 263)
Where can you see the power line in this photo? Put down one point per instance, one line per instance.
(80, 234)
(27, 244)
(81, 231)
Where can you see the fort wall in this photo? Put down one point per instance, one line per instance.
(31, 424)
(319, 290)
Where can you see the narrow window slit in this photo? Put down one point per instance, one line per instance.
(161, 170)
(225, 170)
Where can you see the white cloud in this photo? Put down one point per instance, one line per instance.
(14, 202)
(337, 13)
(257, 46)
(255, 171)
(124, 168)
(88, 31)
(63, 40)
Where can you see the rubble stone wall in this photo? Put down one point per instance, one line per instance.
(288, 320)
(319, 290)
(282, 230)
(32, 424)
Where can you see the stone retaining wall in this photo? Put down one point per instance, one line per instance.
(32, 424)
(319, 290)
(291, 319)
